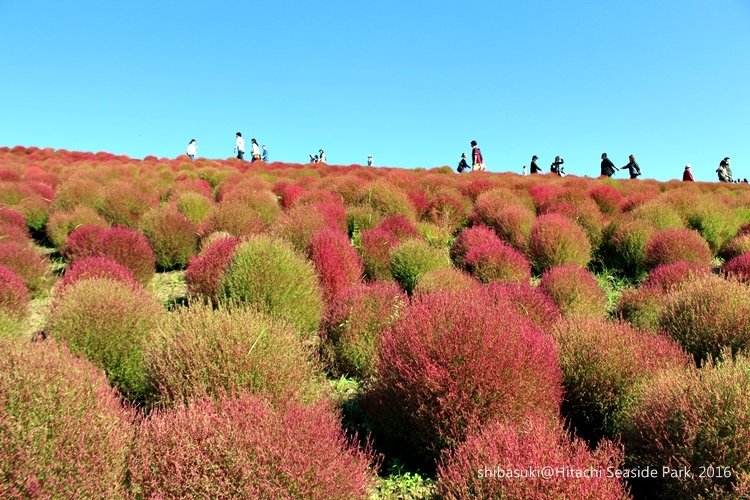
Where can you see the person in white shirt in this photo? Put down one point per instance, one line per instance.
(254, 150)
(239, 146)
(264, 156)
(369, 160)
(192, 149)
(321, 156)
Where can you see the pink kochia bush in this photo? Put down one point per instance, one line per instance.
(14, 296)
(376, 246)
(556, 240)
(63, 430)
(96, 267)
(673, 245)
(526, 300)
(667, 276)
(496, 261)
(205, 270)
(474, 469)
(336, 261)
(451, 362)
(84, 241)
(469, 238)
(739, 267)
(575, 291)
(26, 262)
(241, 448)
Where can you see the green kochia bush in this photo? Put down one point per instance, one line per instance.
(242, 448)
(201, 352)
(173, 237)
(708, 314)
(556, 240)
(412, 259)
(695, 419)
(268, 275)
(602, 363)
(63, 431)
(108, 322)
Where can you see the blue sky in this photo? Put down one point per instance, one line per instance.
(411, 82)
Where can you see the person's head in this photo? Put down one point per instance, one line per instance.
(631, 158)
(726, 159)
(264, 146)
(369, 156)
(252, 141)
(534, 158)
(463, 155)
(604, 156)
(557, 159)
(688, 167)
(239, 134)
(473, 144)
(191, 141)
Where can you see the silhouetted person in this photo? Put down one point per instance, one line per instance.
(722, 172)
(633, 167)
(477, 162)
(254, 151)
(369, 160)
(463, 166)
(687, 175)
(556, 167)
(264, 155)
(534, 168)
(321, 156)
(239, 146)
(607, 168)
(192, 149)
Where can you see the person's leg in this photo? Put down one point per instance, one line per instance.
(240, 155)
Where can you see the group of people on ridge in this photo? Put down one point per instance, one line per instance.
(318, 158)
(477, 162)
(239, 149)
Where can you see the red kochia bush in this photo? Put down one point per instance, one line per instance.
(482, 466)
(608, 198)
(96, 267)
(22, 259)
(376, 246)
(451, 362)
(288, 193)
(672, 245)
(575, 291)
(399, 226)
(205, 270)
(14, 297)
(526, 300)
(739, 267)
(469, 238)
(172, 236)
(131, 249)
(63, 431)
(336, 261)
(666, 276)
(83, 242)
(509, 217)
(13, 217)
(556, 240)
(241, 448)
(495, 261)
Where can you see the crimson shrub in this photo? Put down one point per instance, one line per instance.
(575, 291)
(557, 240)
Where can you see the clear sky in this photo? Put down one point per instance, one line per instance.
(408, 81)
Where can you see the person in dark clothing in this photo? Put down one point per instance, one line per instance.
(724, 176)
(687, 175)
(535, 169)
(633, 167)
(462, 165)
(556, 167)
(608, 168)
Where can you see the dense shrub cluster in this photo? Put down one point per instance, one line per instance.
(14, 296)
(336, 261)
(482, 467)
(61, 224)
(557, 240)
(205, 270)
(575, 291)
(412, 259)
(63, 431)
(242, 448)
(26, 262)
(109, 323)
(695, 419)
(96, 267)
(445, 280)
(495, 261)
(173, 237)
(673, 245)
(436, 381)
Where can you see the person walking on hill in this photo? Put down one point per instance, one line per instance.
(687, 175)
(534, 168)
(633, 167)
(556, 167)
(239, 146)
(608, 168)
(477, 162)
(729, 170)
(722, 172)
(192, 149)
(369, 160)
(321, 156)
(254, 151)
(264, 155)
(463, 166)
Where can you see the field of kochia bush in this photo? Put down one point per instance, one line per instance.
(350, 332)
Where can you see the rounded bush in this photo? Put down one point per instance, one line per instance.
(77, 192)
(361, 218)
(22, 259)
(205, 270)
(469, 238)
(131, 249)
(673, 245)
(61, 224)
(200, 352)
(695, 419)
(738, 267)
(436, 381)
(509, 218)
(495, 261)
(713, 220)
(96, 267)
(11, 232)
(482, 467)
(413, 258)
(195, 206)
(298, 225)
(557, 240)
(84, 241)
(602, 363)
(447, 208)
(12, 217)
(354, 324)
(526, 300)
(667, 276)
(242, 448)
(386, 199)
(659, 213)
(575, 291)
(641, 306)
(267, 274)
(63, 431)
(628, 247)
(708, 314)
(261, 202)
(437, 236)
(108, 322)
(123, 204)
(399, 226)
(736, 247)
(14, 296)
(445, 280)
(607, 197)
(336, 261)
(172, 236)
(376, 246)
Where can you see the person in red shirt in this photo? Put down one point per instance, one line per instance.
(687, 175)
(477, 162)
